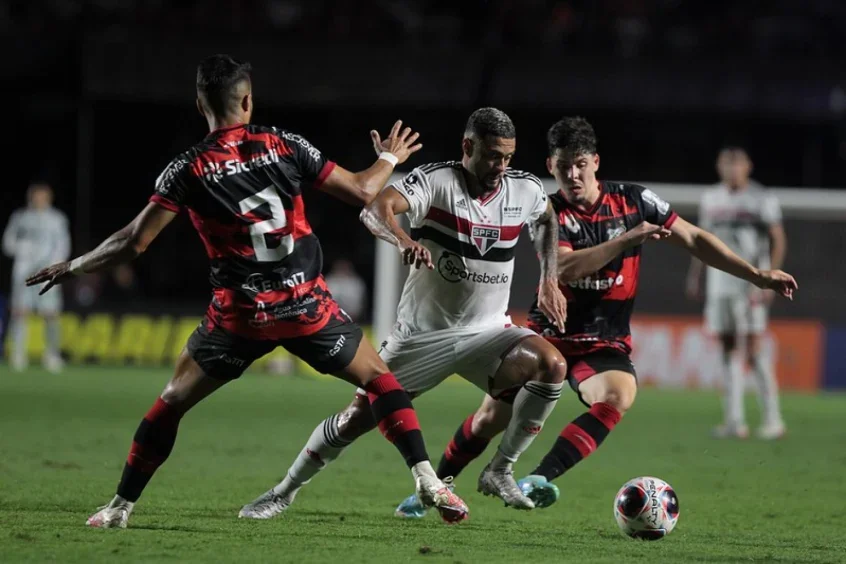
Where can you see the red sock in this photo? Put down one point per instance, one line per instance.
(396, 417)
(579, 439)
(461, 450)
(151, 446)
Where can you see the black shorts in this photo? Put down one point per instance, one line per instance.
(223, 355)
(582, 367)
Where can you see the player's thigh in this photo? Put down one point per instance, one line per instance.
(339, 349)
(220, 354)
(604, 376)
(497, 360)
(531, 358)
(422, 361)
(49, 304)
(24, 299)
(189, 384)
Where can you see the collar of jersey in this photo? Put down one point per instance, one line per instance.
(593, 208)
(221, 130)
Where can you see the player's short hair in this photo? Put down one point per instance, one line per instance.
(490, 121)
(573, 135)
(218, 78)
(731, 148)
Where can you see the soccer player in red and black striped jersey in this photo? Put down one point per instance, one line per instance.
(242, 188)
(602, 226)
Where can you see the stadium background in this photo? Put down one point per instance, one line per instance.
(104, 99)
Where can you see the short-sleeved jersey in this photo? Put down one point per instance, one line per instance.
(242, 187)
(472, 241)
(36, 239)
(599, 306)
(742, 220)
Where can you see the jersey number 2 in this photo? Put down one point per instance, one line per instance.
(278, 220)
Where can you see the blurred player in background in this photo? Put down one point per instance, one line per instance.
(466, 217)
(602, 226)
(748, 218)
(35, 237)
(242, 188)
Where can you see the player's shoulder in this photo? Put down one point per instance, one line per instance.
(443, 169)
(523, 176)
(623, 188)
(288, 136)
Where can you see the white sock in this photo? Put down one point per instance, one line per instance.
(733, 393)
(767, 390)
(52, 333)
(324, 445)
(18, 328)
(423, 469)
(532, 405)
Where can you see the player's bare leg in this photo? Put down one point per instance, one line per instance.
(772, 424)
(52, 338)
(18, 358)
(734, 418)
(154, 439)
(387, 406)
(541, 370)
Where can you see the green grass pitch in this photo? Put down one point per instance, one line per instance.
(63, 440)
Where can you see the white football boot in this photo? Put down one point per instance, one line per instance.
(500, 483)
(115, 515)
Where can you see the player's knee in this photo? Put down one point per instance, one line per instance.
(490, 420)
(356, 420)
(553, 368)
(621, 396)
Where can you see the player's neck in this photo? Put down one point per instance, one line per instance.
(475, 188)
(216, 122)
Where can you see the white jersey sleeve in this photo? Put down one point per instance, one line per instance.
(540, 202)
(415, 188)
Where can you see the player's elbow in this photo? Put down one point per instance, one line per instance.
(371, 213)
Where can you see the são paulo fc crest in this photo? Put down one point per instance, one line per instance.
(484, 237)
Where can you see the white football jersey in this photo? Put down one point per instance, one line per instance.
(472, 242)
(36, 239)
(742, 221)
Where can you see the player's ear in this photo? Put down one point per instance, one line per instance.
(200, 107)
(596, 161)
(247, 103)
(549, 166)
(467, 146)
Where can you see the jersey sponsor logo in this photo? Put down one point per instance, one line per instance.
(215, 172)
(616, 231)
(166, 178)
(651, 197)
(599, 284)
(312, 151)
(256, 282)
(451, 267)
(512, 211)
(338, 346)
(484, 237)
(409, 182)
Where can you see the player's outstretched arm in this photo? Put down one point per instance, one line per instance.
(10, 236)
(122, 246)
(708, 248)
(359, 188)
(574, 265)
(379, 216)
(551, 301)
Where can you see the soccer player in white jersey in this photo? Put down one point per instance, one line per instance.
(465, 220)
(748, 218)
(35, 237)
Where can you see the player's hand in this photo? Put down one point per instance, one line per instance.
(53, 275)
(400, 142)
(413, 253)
(552, 303)
(646, 231)
(778, 281)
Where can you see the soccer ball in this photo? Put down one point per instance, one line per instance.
(646, 508)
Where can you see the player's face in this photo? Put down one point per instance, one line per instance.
(734, 168)
(41, 197)
(489, 157)
(575, 175)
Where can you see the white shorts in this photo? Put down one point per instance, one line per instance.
(422, 361)
(730, 315)
(27, 299)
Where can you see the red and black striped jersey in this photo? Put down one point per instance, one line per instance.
(242, 188)
(599, 306)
